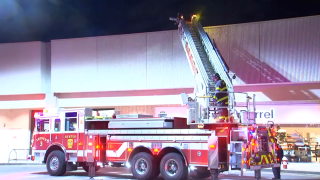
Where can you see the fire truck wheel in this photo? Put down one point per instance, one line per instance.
(200, 173)
(172, 167)
(144, 166)
(56, 165)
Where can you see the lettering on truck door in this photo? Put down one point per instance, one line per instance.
(42, 138)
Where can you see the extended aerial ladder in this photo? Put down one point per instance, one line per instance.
(252, 146)
(205, 61)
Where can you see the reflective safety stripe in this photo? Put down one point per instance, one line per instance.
(215, 97)
(271, 138)
(224, 98)
(221, 89)
(271, 159)
(220, 117)
(225, 118)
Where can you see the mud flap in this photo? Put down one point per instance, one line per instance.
(92, 170)
(213, 156)
(257, 174)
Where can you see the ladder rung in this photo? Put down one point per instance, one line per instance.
(238, 153)
(237, 142)
(238, 130)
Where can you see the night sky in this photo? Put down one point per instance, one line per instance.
(45, 20)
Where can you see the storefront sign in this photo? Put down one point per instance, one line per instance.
(288, 114)
(265, 114)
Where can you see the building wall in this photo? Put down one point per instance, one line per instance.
(24, 74)
(124, 62)
(22, 68)
(272, 51)
(14, 133)
(14, 118)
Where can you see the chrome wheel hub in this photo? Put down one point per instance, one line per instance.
(171, 167)
(141, 166)
(54, 163)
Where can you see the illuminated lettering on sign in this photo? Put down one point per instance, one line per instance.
(193, 64)
(265, 114)
(70, 136)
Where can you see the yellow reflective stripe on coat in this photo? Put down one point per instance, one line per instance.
(221, 99)
(220, 117)
(221, 89)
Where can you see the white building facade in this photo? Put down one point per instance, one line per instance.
(145, 73)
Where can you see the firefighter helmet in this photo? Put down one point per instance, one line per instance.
(216, 75)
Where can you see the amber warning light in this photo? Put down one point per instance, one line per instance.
(156, 150)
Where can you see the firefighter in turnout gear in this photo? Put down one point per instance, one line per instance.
(221, 98)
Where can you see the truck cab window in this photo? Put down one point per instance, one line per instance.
(43, 125)
(71, 121)
(57, 125)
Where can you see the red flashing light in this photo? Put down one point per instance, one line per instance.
(156, 150)
(129, 149)
(90, 143)
(97, 146)
(212, 146)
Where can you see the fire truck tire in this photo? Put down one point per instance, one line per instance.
(56, 165)
(144, 166)
(86, 168)
(201, 173)
(172, 167)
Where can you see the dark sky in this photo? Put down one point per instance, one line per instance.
(44, 20)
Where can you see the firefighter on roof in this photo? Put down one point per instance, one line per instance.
(221, 98)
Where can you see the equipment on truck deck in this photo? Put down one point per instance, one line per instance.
(66, 139)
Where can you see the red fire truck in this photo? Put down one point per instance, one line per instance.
(199, 145)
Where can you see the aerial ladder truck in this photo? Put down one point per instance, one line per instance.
(176, 148)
